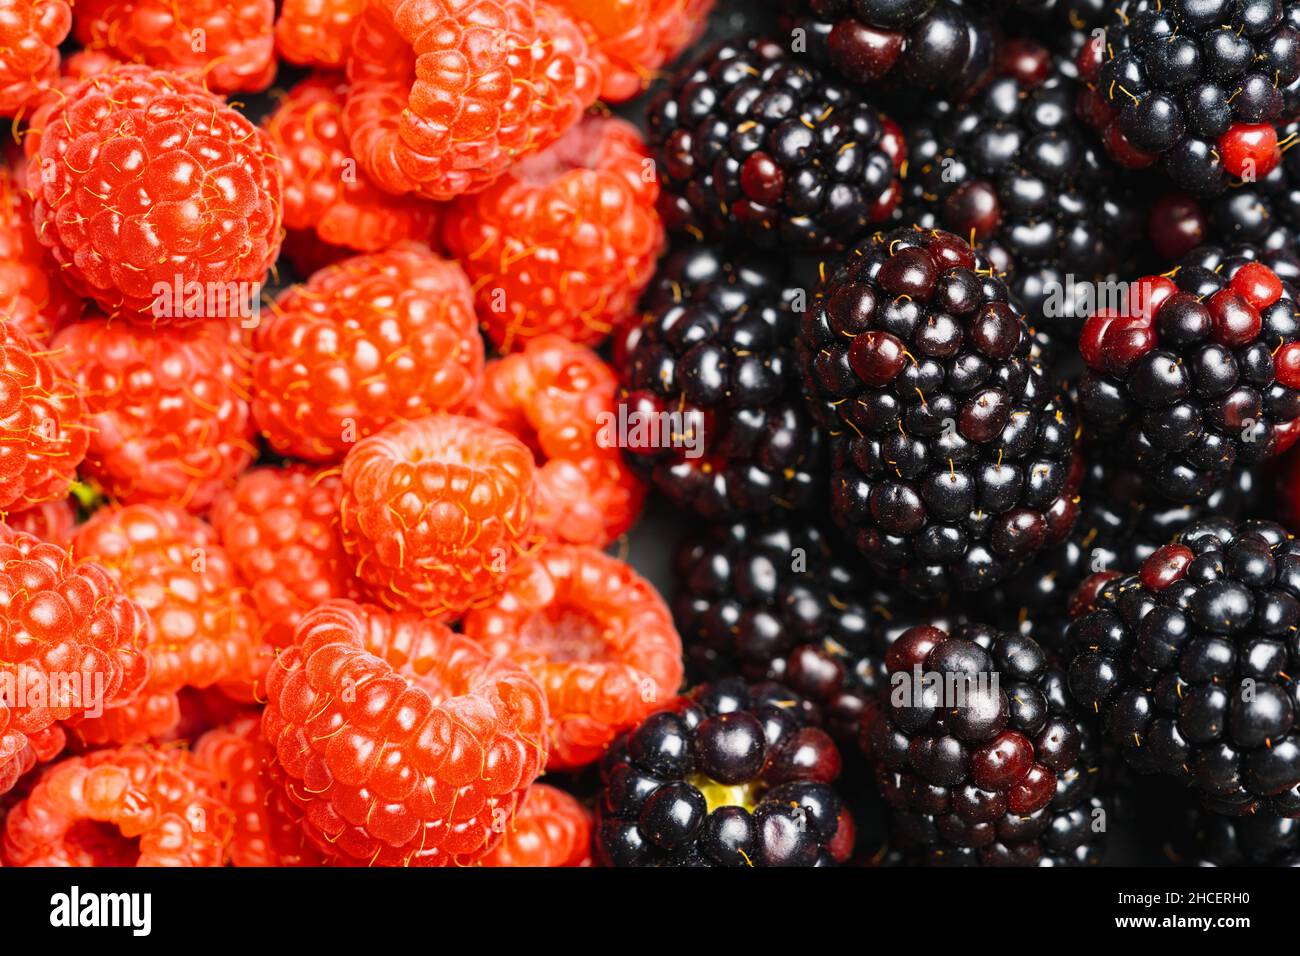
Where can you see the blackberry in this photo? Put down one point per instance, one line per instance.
(1258, 840)
(1196, 372)
(1013, 168)
(1265, 213)
(753, 143)
(951, 456)
(715, 345)
(1191, 664)
(927, 44)
(983, 760)
(730, 775)
(1201, 85)
(777, 601)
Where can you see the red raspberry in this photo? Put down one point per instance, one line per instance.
(280, 527)
(145, 183)
(374, 339)
(401, 742)
(551, 829)
(552, 396)
(566, 240)
(264, 833)
(435, 512)
(595, 634)
(632, 39)
(20, 752)
(69, 636)
(497, 81)
(72, 70)
(204, 630)
(227, 45)
(323, 188)
(30, 34)
(148, 717)
(32, 295)
(53, 521)
(169, 408)
(128, 806)
(317, 32)
(43, 419)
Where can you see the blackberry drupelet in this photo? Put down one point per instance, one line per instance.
(715, 344)
(952, 458)
(777, 601)
(730, 775)
(984, 760)
(1192, 664)
(1196, 372)
(1013, 168)
(1202, 85)
(1258, 840)
(758, 144)
(1266, 213)
(927, 44)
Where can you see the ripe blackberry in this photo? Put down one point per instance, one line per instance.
(1197, 371)
(730, 775)
(983, 760)
(1202, 85)
(715, 345)
(1013, 168)
(951, 457)
(1258, 840)
(933, 45)
(758, 144)
(1190, 664)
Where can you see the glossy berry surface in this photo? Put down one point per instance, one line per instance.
(550, 829)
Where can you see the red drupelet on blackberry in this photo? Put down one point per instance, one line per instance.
(1197, 371)
(1191, 664)
(952, 457)
(1265, 213)
(715, 347)
(1201, 85)
(983, 760)
(730, 775)
(1013, 168)
(755, 143)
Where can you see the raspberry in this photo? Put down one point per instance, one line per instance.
(19, 753)
(52, 521)
(595, 634)
(551, 829)
(400, 742)
(316, 32)
(377, 338)
(227, 45)
(631, 39)
(435, 512)
(263, 834)
(30, 34)
(323, 189)
(279, 526)
(44, 422)
(148, 182)
(32, 295)
(496, 82)
(69, 635)
(174, 566)
(169, 408)
(564, 241)
(72, 70)
(128, 806)
(552, 396)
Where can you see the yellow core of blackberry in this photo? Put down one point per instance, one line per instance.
(725, 795)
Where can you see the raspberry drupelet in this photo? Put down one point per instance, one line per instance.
(317, 32)
(168, 407)
(552, 396)
(565, 240)
(436, 512)
(128, 806)
(324, 191)
(1196, 372)
(30, 34)
(550, 829)
(145, 183)
(384, 337)
(224, 45)
(597, 637)
(399, 742)
(512, 76)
